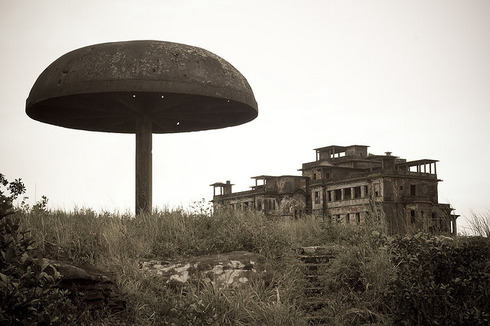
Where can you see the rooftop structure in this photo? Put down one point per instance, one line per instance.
(346, 184)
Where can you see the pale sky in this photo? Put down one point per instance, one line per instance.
(411, 77)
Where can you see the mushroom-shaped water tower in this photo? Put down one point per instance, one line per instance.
(141, 87)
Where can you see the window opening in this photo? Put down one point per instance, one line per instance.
(347, 193)
(413, 190)
(357, 192)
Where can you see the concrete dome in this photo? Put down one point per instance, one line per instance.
(107, 87)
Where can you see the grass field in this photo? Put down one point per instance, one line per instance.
(376, 279)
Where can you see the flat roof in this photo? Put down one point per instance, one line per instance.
(277, 176)
(220, 184)
(334, 167)
(417, 162)
(339, 148)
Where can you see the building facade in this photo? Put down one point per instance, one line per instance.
(345, 184)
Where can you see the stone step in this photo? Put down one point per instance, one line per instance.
(315, 304)
(317, 320)
(315, 291)
(314, 262)
(316, 259)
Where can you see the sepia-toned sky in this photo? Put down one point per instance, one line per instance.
(410, 77)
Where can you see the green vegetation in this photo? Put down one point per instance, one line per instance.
(375, 279)
(28, 295)
(440, 281)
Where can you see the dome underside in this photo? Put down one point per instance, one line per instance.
(119, 112)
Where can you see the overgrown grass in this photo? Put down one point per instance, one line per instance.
(359, 282)
(117, 242)
(479, 224)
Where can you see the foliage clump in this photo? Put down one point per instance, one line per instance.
(27, 282)
(441, 281)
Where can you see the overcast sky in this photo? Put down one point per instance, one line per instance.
(409, 77)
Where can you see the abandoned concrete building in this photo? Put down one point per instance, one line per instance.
(345, 184)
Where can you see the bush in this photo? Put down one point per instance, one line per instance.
(440, 281)
(27, 293)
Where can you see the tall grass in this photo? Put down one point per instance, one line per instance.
(479, 224)
(357, 282)
(117, 243)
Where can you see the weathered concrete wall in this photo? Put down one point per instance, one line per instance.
(233, 269)
(293, 206)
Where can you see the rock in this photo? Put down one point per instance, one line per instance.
(226, 270)
(89, 287)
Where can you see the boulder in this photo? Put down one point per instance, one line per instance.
(89, 287)
(233, 269)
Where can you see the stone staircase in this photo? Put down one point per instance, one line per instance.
(313, 261)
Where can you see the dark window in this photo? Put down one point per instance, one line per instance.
(366, 191)
(347, 218)
(317, 197)
(412, 216)
(358, 218)
(314, 176)
(357, 192)
(347, 194)
(337, 194)
(329, 194)
(259, 205)
(413, 190)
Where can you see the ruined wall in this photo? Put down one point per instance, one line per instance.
(290, 184)
(402, 189)
(293, 206)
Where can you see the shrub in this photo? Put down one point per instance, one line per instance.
(27, 292)
(440, 281)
